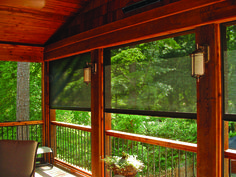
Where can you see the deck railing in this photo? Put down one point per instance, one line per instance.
(24, 130)
(161, 157)
(73, 145)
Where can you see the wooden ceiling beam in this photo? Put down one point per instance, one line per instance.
(9, 52)
(127, 30)
(152, 15)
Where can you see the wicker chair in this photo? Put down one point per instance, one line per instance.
(17, 158)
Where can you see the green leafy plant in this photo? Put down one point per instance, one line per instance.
(127, 165)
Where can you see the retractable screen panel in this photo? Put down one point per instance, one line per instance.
(230, 70)
(67, 87)
(153, 76)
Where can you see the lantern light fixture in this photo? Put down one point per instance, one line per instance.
(199, 58)
(88, 69)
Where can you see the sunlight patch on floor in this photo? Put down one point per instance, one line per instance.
(54, 172)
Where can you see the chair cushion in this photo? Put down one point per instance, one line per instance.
(17, 158)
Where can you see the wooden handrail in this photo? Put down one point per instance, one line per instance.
(154, 140)
(230, 153)
(20, 123)
(74, 126)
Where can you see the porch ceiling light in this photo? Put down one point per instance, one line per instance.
(198, 59)
(88, 69)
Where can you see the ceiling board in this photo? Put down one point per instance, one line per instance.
(35, 21)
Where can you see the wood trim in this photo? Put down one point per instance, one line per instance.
(46, 105)
(154, 140)
(12, 124)
(43, 102)
(71, 168)
(209, 106)
(10, 52)
(127, 31)
(73, 126)
(97, 115)
(230, 153)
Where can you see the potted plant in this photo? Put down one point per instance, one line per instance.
(127, 165)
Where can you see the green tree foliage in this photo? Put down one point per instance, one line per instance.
(8, 86)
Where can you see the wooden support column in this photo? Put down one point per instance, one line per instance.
(46, 110)
(97, 115)
(209, 107)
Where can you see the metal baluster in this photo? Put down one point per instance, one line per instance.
(132, 143)
(118, 149)
(154, 166)
(193, 164)
(172, 163)
(71, 146)
(122, 145)
(12, 133)
(80, 151)
(36, 133)
(186, 166)
(148, 160)
(142, 154)
(76, 142)
(166, 161)
(159, 161)
(179, 163)
(31, 134)
(86, 155)
(7, 132)
(27, 130)
(64, 149)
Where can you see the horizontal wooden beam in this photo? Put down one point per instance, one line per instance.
(21, 123)
(143, 26)
(154, 140)
(152, 15)
(21, 53)
(73, 126)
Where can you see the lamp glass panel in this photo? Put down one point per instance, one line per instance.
(87, 74)
(198, 64)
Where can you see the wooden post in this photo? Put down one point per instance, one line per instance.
(209, 107)
(107, 68)
(45, 106)
(53, 132)
(97, 115)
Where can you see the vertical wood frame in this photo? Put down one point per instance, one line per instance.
(209, 107)
(97, 115)
(46, 109)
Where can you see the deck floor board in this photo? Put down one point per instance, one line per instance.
(54, 172)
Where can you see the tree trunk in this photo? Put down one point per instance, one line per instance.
(22, 112)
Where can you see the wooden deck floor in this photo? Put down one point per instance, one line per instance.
(54, 172)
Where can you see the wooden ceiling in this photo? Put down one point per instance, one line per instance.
(24, 22)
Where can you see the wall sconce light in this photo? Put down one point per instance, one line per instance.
(88, 69)
(198, 58)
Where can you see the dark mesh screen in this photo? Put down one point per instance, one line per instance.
(67, 88)
(230, 71)
(154, 76)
